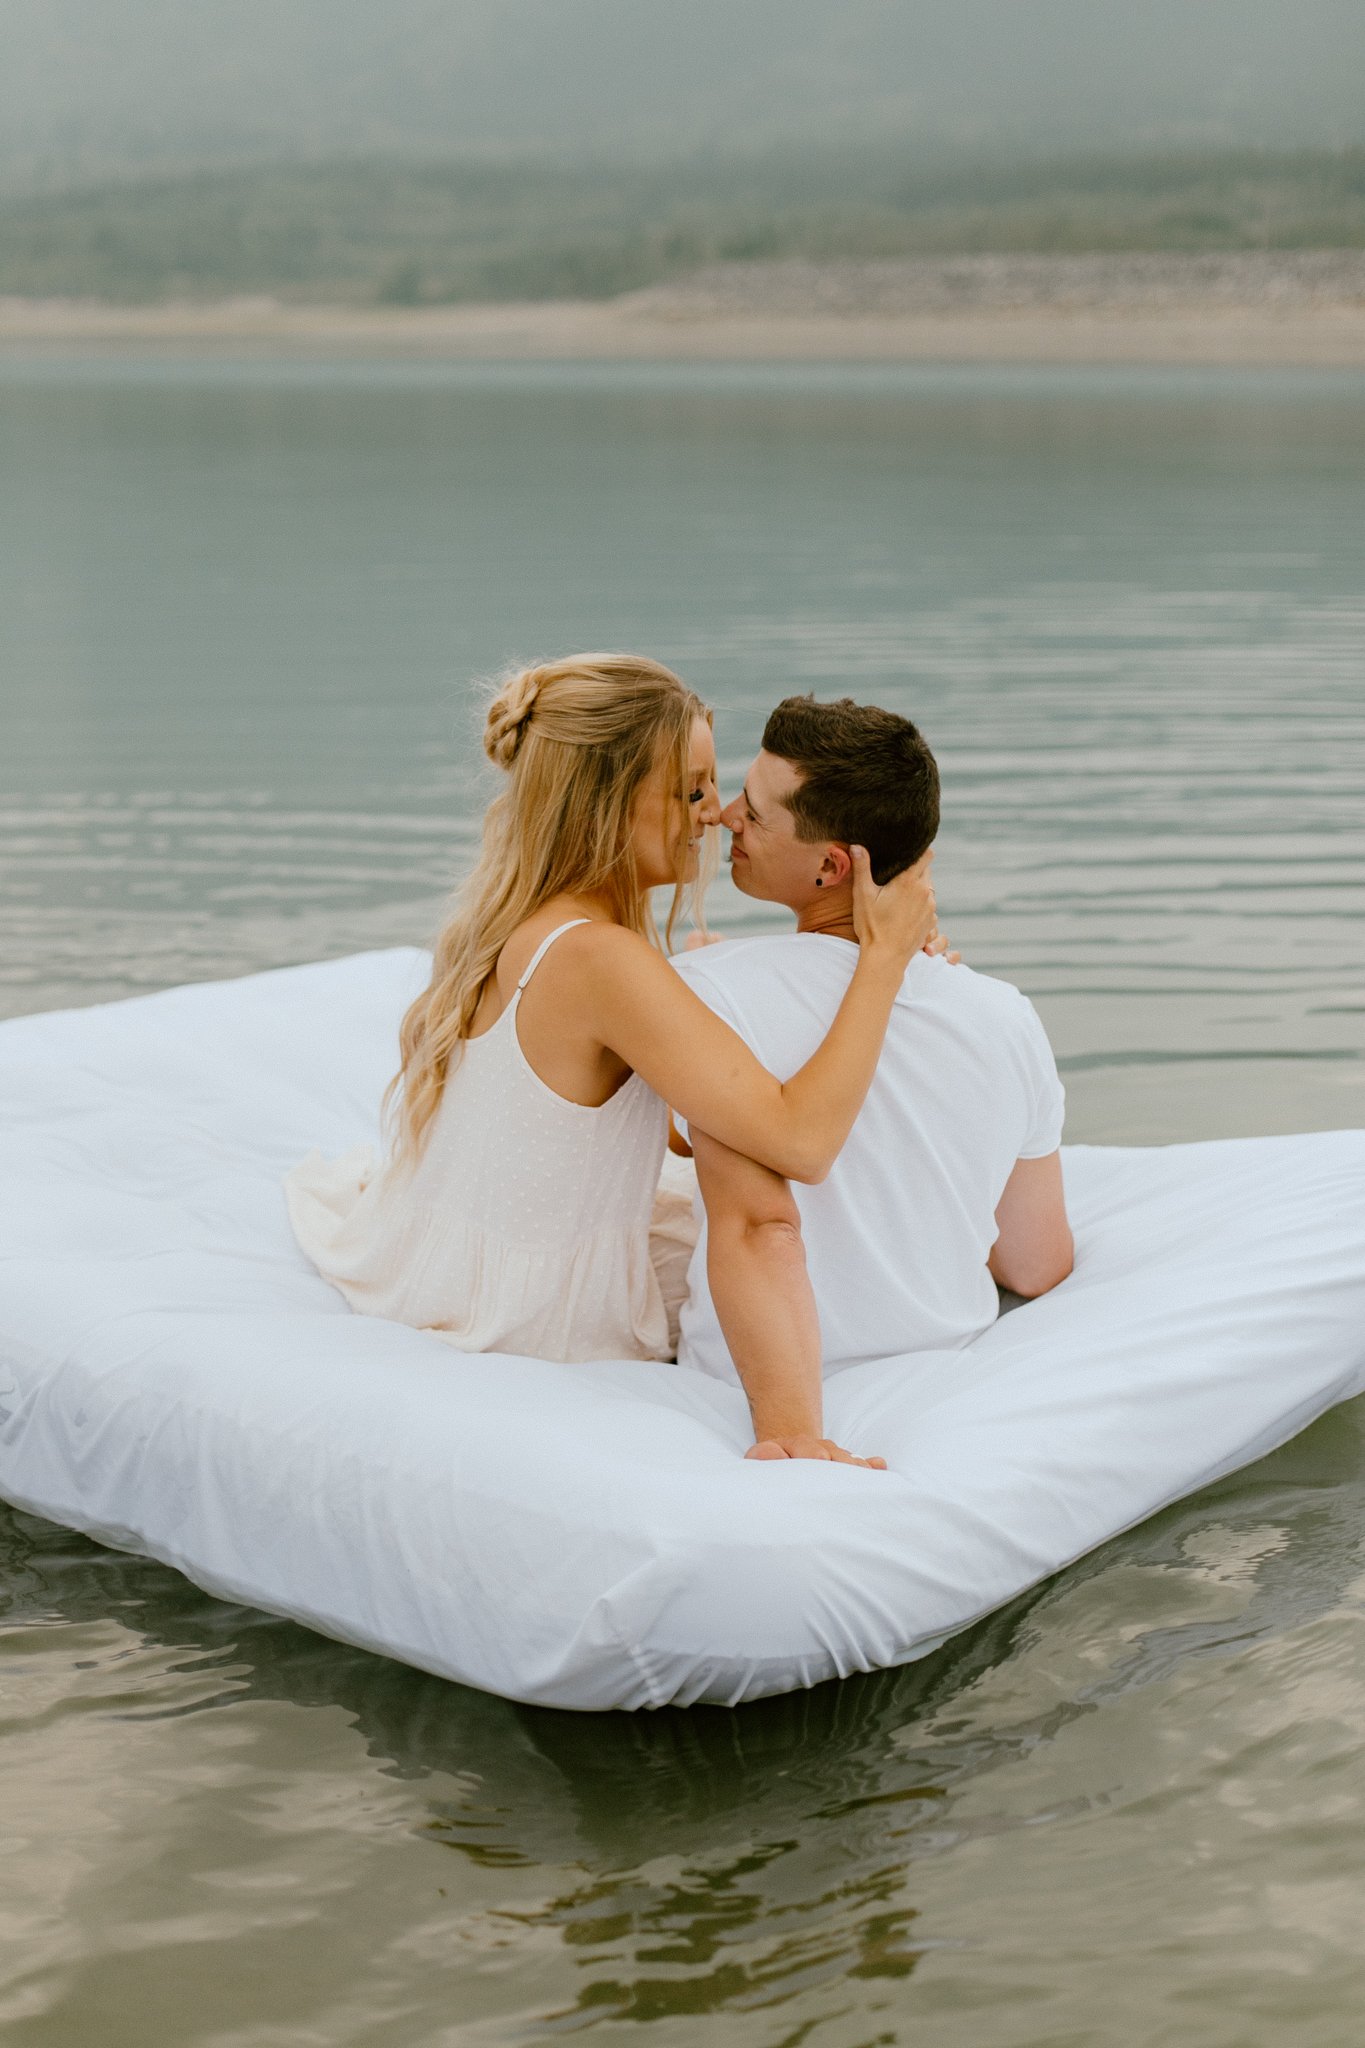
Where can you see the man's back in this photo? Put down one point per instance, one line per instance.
(898, 1236)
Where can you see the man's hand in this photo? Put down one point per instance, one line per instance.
(817, 1447)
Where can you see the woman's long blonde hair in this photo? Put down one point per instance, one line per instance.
(577, 738)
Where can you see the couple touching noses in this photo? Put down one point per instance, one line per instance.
(859, 1108)
(950, 1179)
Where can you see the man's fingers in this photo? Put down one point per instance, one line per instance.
(814, 1449)
(788, 1447)
(842, 1457)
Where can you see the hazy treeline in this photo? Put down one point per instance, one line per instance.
(412, 233)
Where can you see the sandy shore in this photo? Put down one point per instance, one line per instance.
(1296, 308)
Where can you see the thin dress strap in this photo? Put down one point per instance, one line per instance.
(543, 948)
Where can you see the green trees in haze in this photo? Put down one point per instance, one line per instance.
(411, 233)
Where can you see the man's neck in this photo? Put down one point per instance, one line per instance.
(830, 916)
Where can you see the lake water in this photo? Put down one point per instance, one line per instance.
(240, 609)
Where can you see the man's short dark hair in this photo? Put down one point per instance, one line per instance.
(867, 778)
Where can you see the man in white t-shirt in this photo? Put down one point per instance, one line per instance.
(950, 1179)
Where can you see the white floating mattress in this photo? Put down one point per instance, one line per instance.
(176, 1380)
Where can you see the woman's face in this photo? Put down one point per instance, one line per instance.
(669, 822)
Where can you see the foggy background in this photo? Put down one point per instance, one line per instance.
(417, 152)
(90, 87)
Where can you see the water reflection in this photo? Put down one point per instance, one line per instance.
(756, 1861)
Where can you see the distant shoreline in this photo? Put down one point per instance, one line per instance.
(1259, 308)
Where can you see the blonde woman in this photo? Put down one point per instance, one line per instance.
(528, 1119)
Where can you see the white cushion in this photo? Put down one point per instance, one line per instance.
(177, 1381)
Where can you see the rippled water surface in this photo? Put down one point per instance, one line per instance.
(240, 606)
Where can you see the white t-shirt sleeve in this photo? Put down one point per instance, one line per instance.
(696, 971)
(693, 969)
(1049, 1096)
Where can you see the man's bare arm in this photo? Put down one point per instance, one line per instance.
(1034, 1250)
(756, 1265)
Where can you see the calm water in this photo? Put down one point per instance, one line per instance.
(239, 608)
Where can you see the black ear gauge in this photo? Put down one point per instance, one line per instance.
(819, 883)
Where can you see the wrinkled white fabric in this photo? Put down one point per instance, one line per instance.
(177, 1380)
(523, 1226)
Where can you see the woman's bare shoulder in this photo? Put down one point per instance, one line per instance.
(591, 950)
(603, 946)
(602, 961)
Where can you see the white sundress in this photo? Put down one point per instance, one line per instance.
(525, 1224)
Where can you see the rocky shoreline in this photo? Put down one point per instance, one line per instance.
(1136, 282)
(1257, 307)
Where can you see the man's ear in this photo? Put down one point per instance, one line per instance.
(836, 867)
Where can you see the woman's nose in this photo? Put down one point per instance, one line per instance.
(711, 812)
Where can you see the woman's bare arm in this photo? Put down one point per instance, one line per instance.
(636, 1004)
